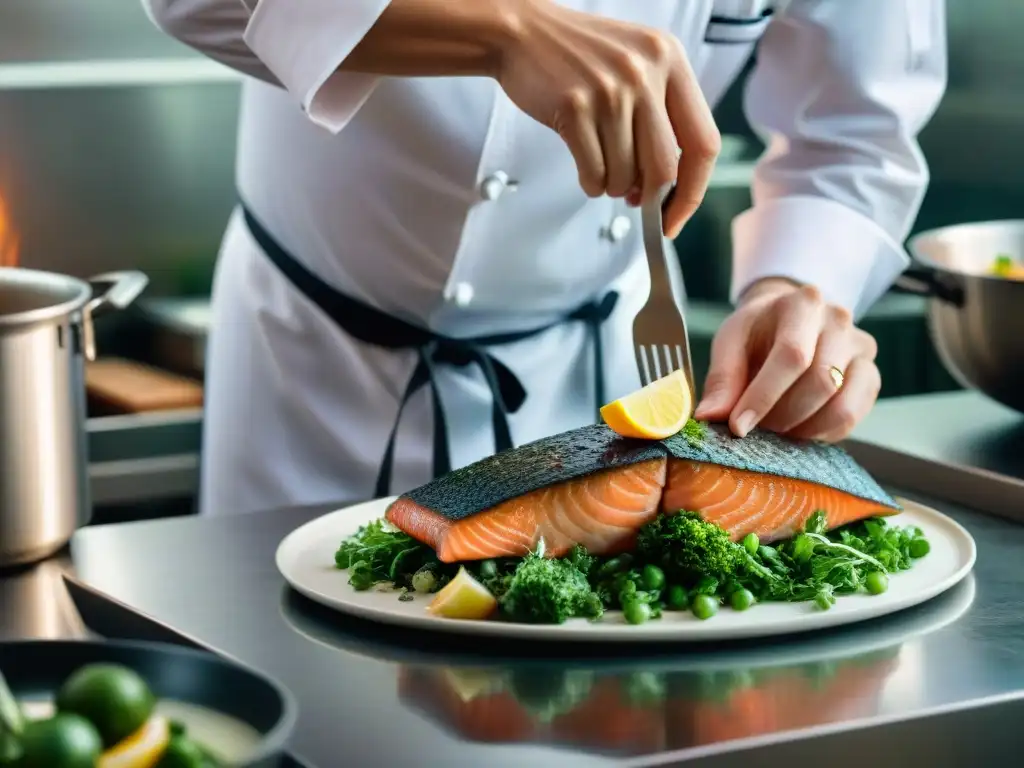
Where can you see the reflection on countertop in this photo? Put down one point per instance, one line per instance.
(34, 603)
(639, 702)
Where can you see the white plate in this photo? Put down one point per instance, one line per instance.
(306, 560)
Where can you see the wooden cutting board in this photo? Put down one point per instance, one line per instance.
(115, 385)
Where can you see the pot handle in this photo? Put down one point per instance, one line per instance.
(924, 281)
(114, 291)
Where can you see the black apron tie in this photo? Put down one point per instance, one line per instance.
(377, 328)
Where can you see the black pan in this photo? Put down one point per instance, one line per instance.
(36, 668)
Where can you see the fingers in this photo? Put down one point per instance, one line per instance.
(727, 374)
(799, 325)
(616, 120)
(839, 343)
(576, 125)
(656, 149)
(837, 419)
(697, 137)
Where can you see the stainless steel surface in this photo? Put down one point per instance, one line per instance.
(784, 702)
(153, 190)
(660, 339)
(958, 445)
(65, 30)
(46, 336)
(180, 328)
(145, 457)
(975, 319)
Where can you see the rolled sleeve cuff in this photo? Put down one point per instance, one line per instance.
(304, 44)
(819, 242)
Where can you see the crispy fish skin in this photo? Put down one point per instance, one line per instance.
(591, 487)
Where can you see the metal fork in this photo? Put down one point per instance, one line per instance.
(660, 338)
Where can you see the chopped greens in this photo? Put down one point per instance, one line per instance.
(549, 591)
(681, 562)
(693, 432)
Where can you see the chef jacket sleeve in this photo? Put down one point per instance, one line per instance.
(296, 45)
(839, 92)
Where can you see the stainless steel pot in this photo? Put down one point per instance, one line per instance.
(976, 319)
(46, 335)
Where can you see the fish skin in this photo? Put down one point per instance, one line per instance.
(549, 461)
(771, 454)
(550, 475)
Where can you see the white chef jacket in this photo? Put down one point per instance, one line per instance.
(436, 200)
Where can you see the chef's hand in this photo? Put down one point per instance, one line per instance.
(792, 363)
(623, 97)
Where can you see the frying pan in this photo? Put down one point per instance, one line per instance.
(36, 669)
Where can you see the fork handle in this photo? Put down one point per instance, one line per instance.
(667, 193)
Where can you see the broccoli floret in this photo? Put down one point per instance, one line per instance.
(688, 548)
(549, 591)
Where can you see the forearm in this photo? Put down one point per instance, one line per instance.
(424, 38)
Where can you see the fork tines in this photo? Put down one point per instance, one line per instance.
(657, 361)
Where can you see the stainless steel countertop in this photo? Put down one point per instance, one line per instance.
(944, 682)
(214, 582)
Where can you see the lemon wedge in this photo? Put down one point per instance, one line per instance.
(143, 749)
(463, 598)
(655, 412)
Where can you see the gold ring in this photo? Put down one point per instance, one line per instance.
(837, 376)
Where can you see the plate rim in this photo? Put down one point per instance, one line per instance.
(655, 632)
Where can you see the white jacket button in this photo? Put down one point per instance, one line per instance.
(461, 294)
(618, 229)
(496, 184)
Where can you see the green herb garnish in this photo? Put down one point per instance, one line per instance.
(694, 432)
(550, 590)
(680, 562)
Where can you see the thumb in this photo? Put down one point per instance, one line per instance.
(727, 375)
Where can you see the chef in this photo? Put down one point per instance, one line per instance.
(437, 251)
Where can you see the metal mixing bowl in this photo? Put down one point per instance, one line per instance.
(976, 319)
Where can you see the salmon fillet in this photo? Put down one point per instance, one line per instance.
(592, 487)
(602, 512)
(745, 502)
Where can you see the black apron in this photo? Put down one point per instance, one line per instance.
(372, 326)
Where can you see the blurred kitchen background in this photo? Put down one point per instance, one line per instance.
(117, 150)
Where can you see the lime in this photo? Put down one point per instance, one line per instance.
(182, 752)
(62, 741)
(112, 697)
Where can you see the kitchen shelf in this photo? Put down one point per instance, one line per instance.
(113, 73)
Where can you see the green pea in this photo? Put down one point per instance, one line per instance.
(636, 612)
(741, 599)
(424, 581)
(751, 543)
(876, 582)
(488, 569)
(677, 598)
(704, 607)
(653, 578)
(919, 548)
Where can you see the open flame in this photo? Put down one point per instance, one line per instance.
(9, 242)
